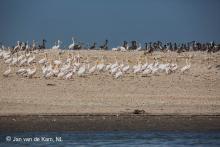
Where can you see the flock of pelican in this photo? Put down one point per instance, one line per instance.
(27, 65)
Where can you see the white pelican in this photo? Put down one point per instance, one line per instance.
(69, 75)
(28, 54)
(57, 46)
(7, 72)
(108, 67)
(23, 61)
(20, 58)
(17, 47)
(156, 63)
(168, 70)
(174, 66)
(31, 59)
(56, 71)
(44, 60)
(44, 69)
(119, 48)
(27, 45)
(115, 49)
(21, 71)
(115, 64)
(137, 68)
(147, 71)
(77, 60)
(47, 68)
(70, 58)
(118, 74)
(74, 69)
(15, 59)
(71, 46)
(126, 68)
(123, 49)
(58, 62)
(101, 66)
(33, 45)
(61, 74)
(122, 64)
(6, 55)
(65, 67)
(31, 71)
(92, 69)
(139, 48)
(186, 67)
(145, 65)
(49, 74)
(163, 67)
(82, 70)
(155, 70)
(8, 60)
(114, 70)
(1, 53)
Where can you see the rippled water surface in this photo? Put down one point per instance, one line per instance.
(111, 139)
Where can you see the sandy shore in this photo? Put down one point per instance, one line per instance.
(195, 92)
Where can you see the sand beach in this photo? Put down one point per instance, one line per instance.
(195, 92)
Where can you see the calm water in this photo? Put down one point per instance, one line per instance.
(111, 139)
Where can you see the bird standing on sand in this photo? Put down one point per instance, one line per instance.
(21, 71)
(7, 72)
(44, 60)
(20, 57)
(139, 47)
(93, 69)
(126, 68)
(186, 67)
(58, 61)
(118, 74)
(101, 65)
(81, 70)
(31, 71)
(137, 68)
(31, 59)
(23, 61)
(8, 61)
(68, 76)
(71, 46)
(17, 47)
(57, 45)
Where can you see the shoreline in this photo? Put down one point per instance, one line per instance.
(109, 122)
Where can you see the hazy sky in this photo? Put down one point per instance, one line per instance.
(115, 20)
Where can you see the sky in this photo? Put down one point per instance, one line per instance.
(116, 20)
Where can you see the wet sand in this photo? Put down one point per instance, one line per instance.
(109, 122)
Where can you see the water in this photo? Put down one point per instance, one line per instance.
(111, 139)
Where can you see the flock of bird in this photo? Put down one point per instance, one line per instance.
(27, 65)
(149, 47)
